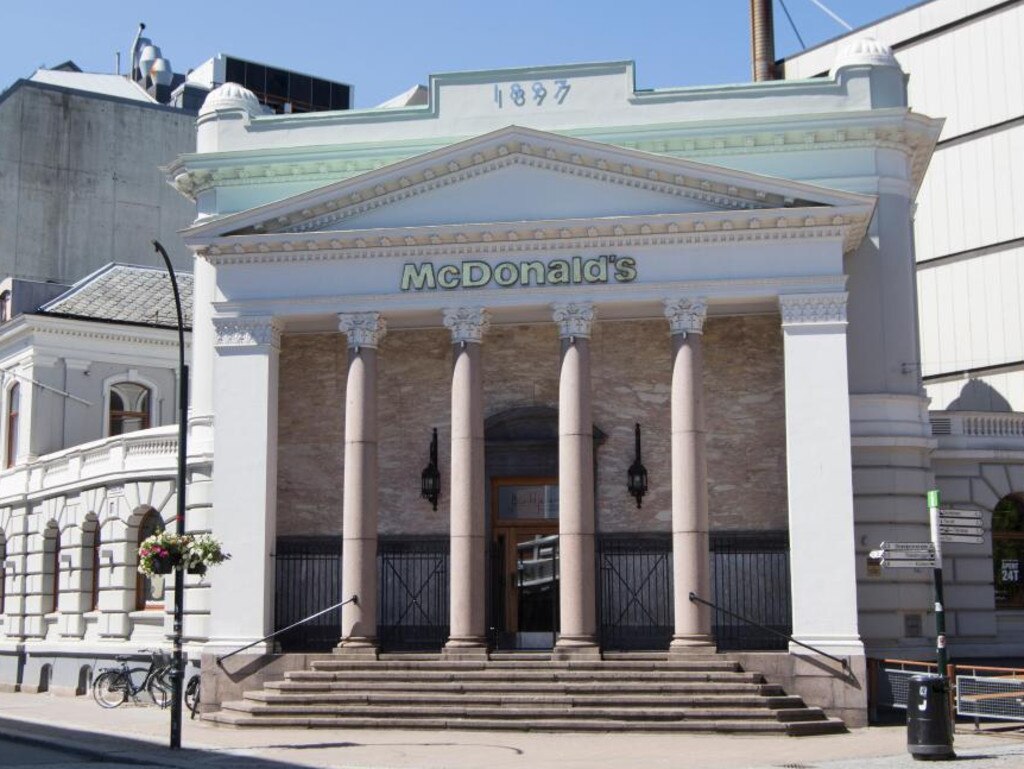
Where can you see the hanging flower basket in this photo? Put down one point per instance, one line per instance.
(162, 553)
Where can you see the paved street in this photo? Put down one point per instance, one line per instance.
(47, 731)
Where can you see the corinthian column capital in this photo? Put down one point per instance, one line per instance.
(574, 319)
(687, 315)
(364, 329)
(467, 324)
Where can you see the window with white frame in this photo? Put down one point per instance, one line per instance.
(130, 404)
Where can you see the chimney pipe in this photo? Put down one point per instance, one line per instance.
(762, 40)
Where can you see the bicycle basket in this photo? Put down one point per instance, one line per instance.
(161, 659)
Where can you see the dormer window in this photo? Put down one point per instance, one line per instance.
(129, 408)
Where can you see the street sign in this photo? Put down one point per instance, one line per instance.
(974, 514)
(916, 555)
(974, 531)
(909, 564)
(909, 546)
(963, 538)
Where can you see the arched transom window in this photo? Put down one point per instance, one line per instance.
(1008, 551)
(129, 408)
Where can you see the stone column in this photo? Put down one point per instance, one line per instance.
(690, 557)
(818, 465)
(576, 520)
(359, 505)
(468, 578)
(245, 398)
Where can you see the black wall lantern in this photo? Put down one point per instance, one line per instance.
(430, 478)
(636, 481)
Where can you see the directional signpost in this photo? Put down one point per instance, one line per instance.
(962, 526)
(947, 526)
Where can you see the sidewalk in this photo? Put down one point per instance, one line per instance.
(140, 734)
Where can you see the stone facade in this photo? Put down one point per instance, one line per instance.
(631, 373)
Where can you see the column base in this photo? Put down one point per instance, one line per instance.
(363, 648)
(466, 648)
(576, 648)
(691, 645)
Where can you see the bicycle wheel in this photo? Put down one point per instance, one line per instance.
(161, 687)
(110, 689)
(192, 695)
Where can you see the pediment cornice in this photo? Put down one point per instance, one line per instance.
(711, 186)
(847, 224)
(912, 134)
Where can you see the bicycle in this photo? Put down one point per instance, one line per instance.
(114, 686)
(192, 695)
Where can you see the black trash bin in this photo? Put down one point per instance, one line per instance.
(929, 728)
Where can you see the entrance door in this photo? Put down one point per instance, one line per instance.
(525, 546)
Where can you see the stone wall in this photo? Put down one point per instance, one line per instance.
(631, 370)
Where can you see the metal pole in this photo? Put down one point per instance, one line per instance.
(178, 668)
(940, 610)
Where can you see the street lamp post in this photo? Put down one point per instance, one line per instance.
(178, 669)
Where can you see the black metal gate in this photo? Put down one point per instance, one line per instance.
(750, 576)
(413, 606)
(634, 591)
(307, 578)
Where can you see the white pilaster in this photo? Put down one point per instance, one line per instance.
(245, 484)
(820, 485)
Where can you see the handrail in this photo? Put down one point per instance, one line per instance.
(694, 598)
(354, 599)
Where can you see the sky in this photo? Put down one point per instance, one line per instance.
(383, 47)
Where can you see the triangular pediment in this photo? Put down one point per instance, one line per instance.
(519, 175)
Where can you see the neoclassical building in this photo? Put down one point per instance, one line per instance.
(551, 269)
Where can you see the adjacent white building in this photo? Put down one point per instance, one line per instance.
(963, 61)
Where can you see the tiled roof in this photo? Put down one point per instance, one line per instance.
(126, 294)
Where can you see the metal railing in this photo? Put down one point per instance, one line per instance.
(694, 598)
(354, 599)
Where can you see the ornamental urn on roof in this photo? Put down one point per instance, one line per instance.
(231, 96)
(864, 52)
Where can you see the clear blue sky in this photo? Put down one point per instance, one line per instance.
(382, 47)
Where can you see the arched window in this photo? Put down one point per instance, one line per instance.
(129, 408)
(149, 591)
(13, 405)
(1008, 551)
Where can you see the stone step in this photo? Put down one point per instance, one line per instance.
(798, 728)
(539, 687)
(527, 713)
(627, 665)
(513, 676)
(501, 699)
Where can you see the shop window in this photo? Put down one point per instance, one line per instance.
(129, 408)
(13, 405)
(149, 591)
(1008, 551)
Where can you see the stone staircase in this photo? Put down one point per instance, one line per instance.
(528, 691)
